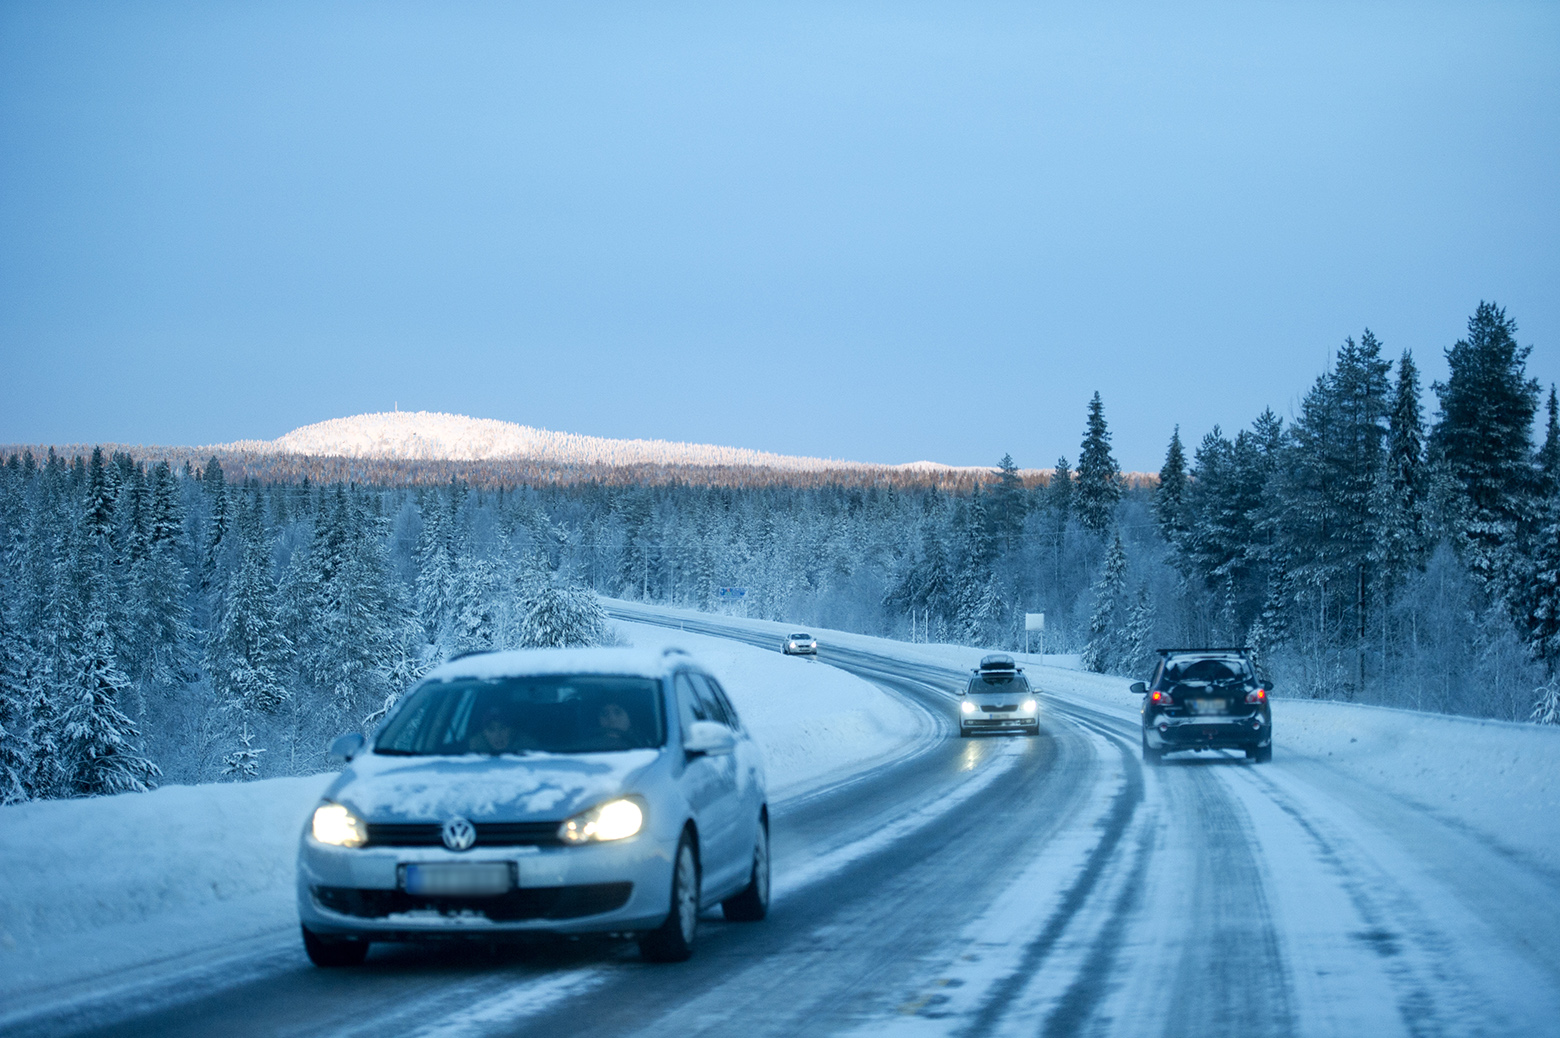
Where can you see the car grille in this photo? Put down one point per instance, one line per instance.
(997, 722)
(997, 708)
(569, 902)
(489, 834)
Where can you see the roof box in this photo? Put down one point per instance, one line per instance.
(998, 661)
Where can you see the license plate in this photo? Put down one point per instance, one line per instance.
(458, 878)
(1210, 706)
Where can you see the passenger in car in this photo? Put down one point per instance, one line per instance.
(617, 727)
(495, 734)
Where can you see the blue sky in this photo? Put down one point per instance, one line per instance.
(882, 232)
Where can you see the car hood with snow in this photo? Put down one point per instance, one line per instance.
(521, 788)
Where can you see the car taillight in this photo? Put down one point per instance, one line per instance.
(1160, 698)
(1259, 696)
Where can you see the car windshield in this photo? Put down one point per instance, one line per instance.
(550, 713)
(998, 684)
(801, 637)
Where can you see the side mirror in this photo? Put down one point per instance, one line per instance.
(1138, 688)
(1268, 685)
(708, 738)
(347, 746)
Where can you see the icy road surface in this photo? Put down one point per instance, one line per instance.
(1050, 885)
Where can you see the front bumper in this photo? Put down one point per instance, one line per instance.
(1208, 733)
(1014, 722)
(619, 887)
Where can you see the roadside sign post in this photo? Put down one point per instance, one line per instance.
(1034, 622)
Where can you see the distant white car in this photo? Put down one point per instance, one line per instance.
(998, 699)
(553, 790)
(799, 645)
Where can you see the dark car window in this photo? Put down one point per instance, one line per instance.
(715, 698)
(997, 682)
(1205, 671)
(691, 706)
(549, 713)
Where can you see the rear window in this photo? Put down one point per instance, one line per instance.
(998, 682)
(1194, 671)
(515, 715)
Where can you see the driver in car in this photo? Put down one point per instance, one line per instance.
(615, 726)
(495, 734)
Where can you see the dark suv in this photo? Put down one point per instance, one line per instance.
(1205, 699)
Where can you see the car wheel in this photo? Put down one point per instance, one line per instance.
(752, 904)
(672, 941)
(964, 733)
(1261, 754)
(334, 951)
(1151, 756)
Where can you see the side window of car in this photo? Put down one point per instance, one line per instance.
(725, 702)
(690, 707)
(714, 709)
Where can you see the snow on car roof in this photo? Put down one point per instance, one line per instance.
(520, 662)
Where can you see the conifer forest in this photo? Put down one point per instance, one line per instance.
(1392, 543)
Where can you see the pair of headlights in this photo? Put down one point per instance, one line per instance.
(1028, 706)
(619, 819)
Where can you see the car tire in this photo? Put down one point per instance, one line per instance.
(332, 952)
(752, 903)
(672, 941)
(964, 733)
(1261, 754)
(1152, 757)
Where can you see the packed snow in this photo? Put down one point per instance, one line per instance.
(99, 889)
(432, 435)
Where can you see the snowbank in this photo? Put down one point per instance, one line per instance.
(94, 889)
(814, 721)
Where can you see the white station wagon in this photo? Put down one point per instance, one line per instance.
(544, 791)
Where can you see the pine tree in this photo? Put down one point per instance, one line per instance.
(1141, 623)
(1484, 431)
(1169, 495)
(1105, 650)
(16, 748)
(1549, 453)
(1059, 492)
(1007, 505)
(243, 764)
(1542, 594)
(97, 747)
(558, 616)
(1099, 477)
(250, 652)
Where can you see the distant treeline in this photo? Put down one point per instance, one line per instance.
(160, 618)
(513, 473)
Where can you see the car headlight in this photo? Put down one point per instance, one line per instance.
(335, 825)
(1029, 706)
(614, 820)
(967, 707)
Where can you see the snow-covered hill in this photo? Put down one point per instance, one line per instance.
(430, 435)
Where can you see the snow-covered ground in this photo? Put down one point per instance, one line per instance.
(98, 891)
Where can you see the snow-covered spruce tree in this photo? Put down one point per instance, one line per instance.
(1007, 504)
(1548, 459)
(1542, 593)
(1141, 623)
(243, 764)
(559, 616)
(1484, 438)
(1059, 492)
(1399, 508)
(98, 743)
(1169, 495)
(1107, 650)
(249, 653)
(1099, 477)
(16, 749)
(214, 483)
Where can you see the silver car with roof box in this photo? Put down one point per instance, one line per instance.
(563, 791)
(998, 699)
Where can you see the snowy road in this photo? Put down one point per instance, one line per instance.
(1000, 886)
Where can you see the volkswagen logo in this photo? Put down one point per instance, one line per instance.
(459, 834)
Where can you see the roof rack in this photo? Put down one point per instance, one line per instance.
(1206, 648)
(675, 650)
(469, 652)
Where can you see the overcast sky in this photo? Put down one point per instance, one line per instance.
(882, 232)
